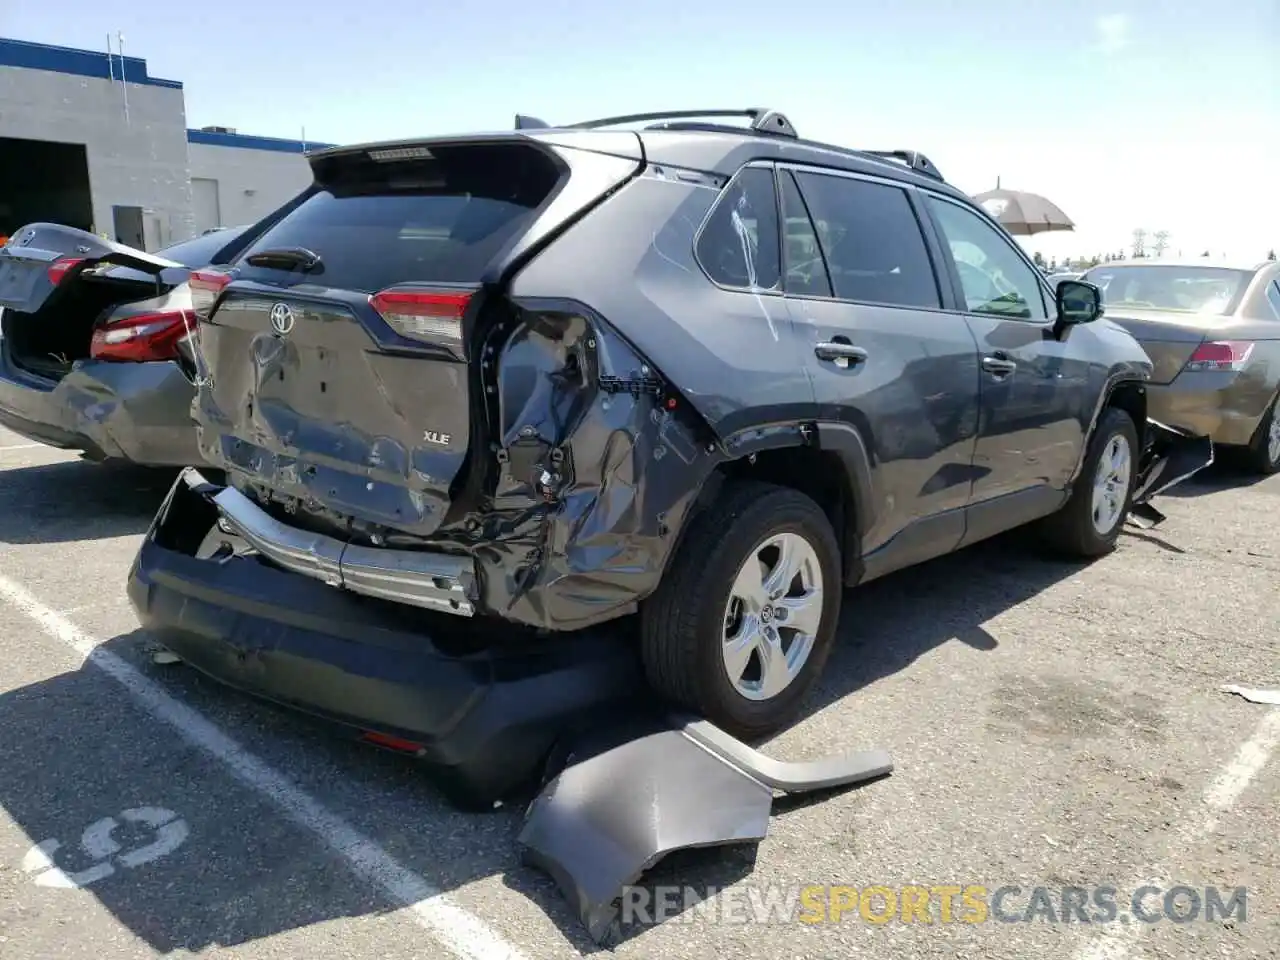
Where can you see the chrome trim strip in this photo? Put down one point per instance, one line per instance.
(432, 581)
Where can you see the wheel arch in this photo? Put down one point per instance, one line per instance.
(826, 461)
(1123, 392)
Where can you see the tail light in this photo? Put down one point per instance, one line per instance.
(142, 338)
(1220, 355)
(59, 268)
(206, 286)
(424, 314)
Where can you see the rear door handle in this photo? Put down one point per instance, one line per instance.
(998, 366)
(842, 354)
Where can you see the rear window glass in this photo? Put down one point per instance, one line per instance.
(374, 225)
(1191, 289)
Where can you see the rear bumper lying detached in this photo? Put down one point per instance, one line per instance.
(485, 714)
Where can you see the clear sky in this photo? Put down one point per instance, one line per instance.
(1160, 114)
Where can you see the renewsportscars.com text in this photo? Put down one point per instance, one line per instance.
(933, 904)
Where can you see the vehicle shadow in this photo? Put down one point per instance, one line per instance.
(77, 500)
(84, 767)
(890, 623)
(244, 871)
(1221, 476)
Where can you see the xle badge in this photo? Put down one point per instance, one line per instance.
(439, 439)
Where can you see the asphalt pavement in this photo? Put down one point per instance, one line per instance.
(1056, 728)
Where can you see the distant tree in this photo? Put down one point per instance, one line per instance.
(1038, 259)
(1271, 254)
(1205, 254)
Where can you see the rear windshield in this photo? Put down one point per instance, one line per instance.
(1189, 289)
(442, 219)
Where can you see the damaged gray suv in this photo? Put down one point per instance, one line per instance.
(515, 425)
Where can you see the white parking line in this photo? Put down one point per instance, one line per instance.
(1219, 797)
(461, 933)
(23, 446)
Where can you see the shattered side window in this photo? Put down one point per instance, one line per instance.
(738, 246)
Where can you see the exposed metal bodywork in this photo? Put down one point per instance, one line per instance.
(482, 709)
(594, 837)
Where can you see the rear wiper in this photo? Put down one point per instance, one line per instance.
(287, 258)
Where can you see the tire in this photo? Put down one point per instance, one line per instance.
(1262, 456)
(684, 623)
(1072, 531)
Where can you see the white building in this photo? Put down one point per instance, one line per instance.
(94, 141)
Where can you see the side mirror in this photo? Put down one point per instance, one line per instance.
(1078, 302)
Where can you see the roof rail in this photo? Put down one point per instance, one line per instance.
(763, 120)
(914, 159)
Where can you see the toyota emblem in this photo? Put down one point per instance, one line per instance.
(281, 319)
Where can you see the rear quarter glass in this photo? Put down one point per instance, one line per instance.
(442, 219)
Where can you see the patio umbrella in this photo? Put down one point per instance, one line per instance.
(1024, 214)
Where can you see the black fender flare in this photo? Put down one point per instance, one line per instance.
(1115, 381)
(842, 439)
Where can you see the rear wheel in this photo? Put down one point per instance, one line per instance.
(1089, 523)
(744, 620)
(1263, 453)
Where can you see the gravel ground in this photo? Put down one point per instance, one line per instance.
(1054, 726)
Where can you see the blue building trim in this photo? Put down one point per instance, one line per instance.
(246, 142)
(79, 63)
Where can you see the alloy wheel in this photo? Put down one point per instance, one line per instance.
(772, 617)
(1111, 484)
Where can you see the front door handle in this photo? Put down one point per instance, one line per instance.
(998, 366)
(842, 354)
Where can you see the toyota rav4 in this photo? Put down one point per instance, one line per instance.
(510, 419)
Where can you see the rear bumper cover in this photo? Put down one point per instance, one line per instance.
(487, 718)
(1170, 455)
(634, 792)
(1225, 407)
(140, 412)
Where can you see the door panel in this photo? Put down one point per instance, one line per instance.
(1035, 388)
(904, 374)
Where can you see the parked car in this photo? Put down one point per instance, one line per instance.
(95, 353)
(1213, 334)
(481, 399)
(1056, 278)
